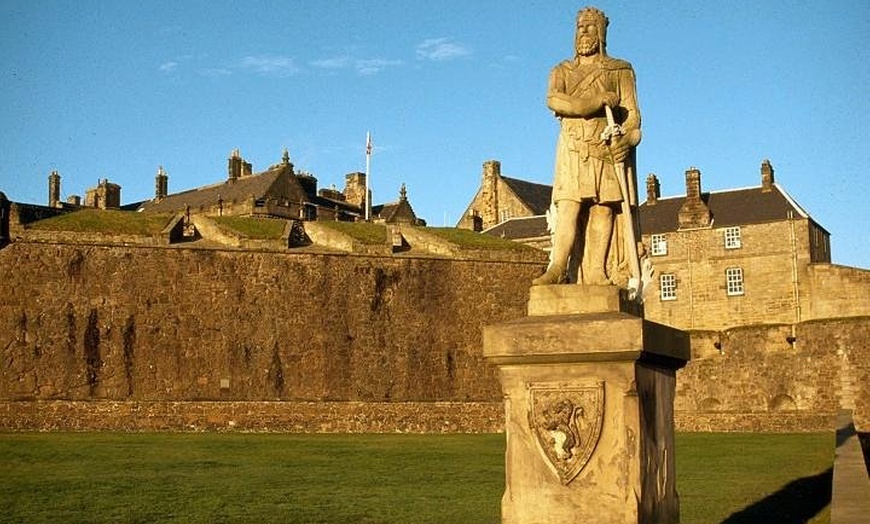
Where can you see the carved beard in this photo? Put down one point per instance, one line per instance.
(587, 46)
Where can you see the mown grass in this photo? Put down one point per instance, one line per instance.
(255, 228)
(735, 478)
(467, 239)
(364, 232)
(105, 221)
(362, 479)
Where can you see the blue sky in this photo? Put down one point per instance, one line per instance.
(113, 89)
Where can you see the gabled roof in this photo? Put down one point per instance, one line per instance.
(394, 211)
(731, 207)
(243, 188)
(535, 196)
(520, 228)
(385, 211)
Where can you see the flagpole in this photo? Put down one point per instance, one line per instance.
(368, 164)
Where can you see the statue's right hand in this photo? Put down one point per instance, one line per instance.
(609, 98)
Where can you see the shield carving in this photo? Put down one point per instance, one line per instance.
(566, 421)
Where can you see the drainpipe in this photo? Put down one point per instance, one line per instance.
(794, 278)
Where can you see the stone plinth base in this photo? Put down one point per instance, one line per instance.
(588, 411)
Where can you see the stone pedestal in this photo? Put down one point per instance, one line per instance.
(589, 394)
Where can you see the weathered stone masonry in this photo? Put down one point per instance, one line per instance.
(91, 322)
(137, 338)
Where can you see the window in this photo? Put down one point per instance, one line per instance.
(734, 281)
(668, 286)
(308, 212)
(504, 214)
(732, 237)
(659, 245)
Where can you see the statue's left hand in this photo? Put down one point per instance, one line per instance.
(621, 145)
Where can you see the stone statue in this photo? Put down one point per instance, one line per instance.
(594, 189)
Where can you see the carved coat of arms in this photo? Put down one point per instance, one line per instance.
(566, 421)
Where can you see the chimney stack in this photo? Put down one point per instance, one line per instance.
(653, 189)
(161, 184)
(491, 175)
(54, 189)
(234, 166)
(694, 212)
(693, 183)
(767, 179)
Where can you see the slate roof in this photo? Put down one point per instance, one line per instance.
(385, 211)
(520, 227)
(731, 207)
(536, 196)
(253, 186)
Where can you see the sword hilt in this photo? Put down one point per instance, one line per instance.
(613, 129)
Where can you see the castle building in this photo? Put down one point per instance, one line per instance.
(721, 259)
(733, 257)
(105, 195)
(278, 192)
(505, 203)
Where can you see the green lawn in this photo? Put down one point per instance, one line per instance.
(364, 232)
(106, 221)
(365, 479)
(256, 228)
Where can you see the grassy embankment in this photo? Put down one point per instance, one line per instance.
(106, 221)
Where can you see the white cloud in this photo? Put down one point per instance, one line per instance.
(270, 65)
(363, 66)
(336, 62)
(372, 66)
(215, 72)
(441, 49)
(168, 67)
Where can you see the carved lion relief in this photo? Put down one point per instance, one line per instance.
(566, 421)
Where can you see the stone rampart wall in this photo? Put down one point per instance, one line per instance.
(289, 416)
(834, 291)
(771, 376)
(95, 336)
(132, 323)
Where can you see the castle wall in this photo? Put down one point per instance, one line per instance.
(833, 291)
(762, 377)
(119, 337)
(116, 323)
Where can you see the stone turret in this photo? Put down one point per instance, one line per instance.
(694, 212)
(161, 184)
(355, 189)
(653, 189)
(54, 189)
(767, 179)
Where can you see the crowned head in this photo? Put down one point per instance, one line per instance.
(591, 31)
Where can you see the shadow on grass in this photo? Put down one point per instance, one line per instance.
(796, 503)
